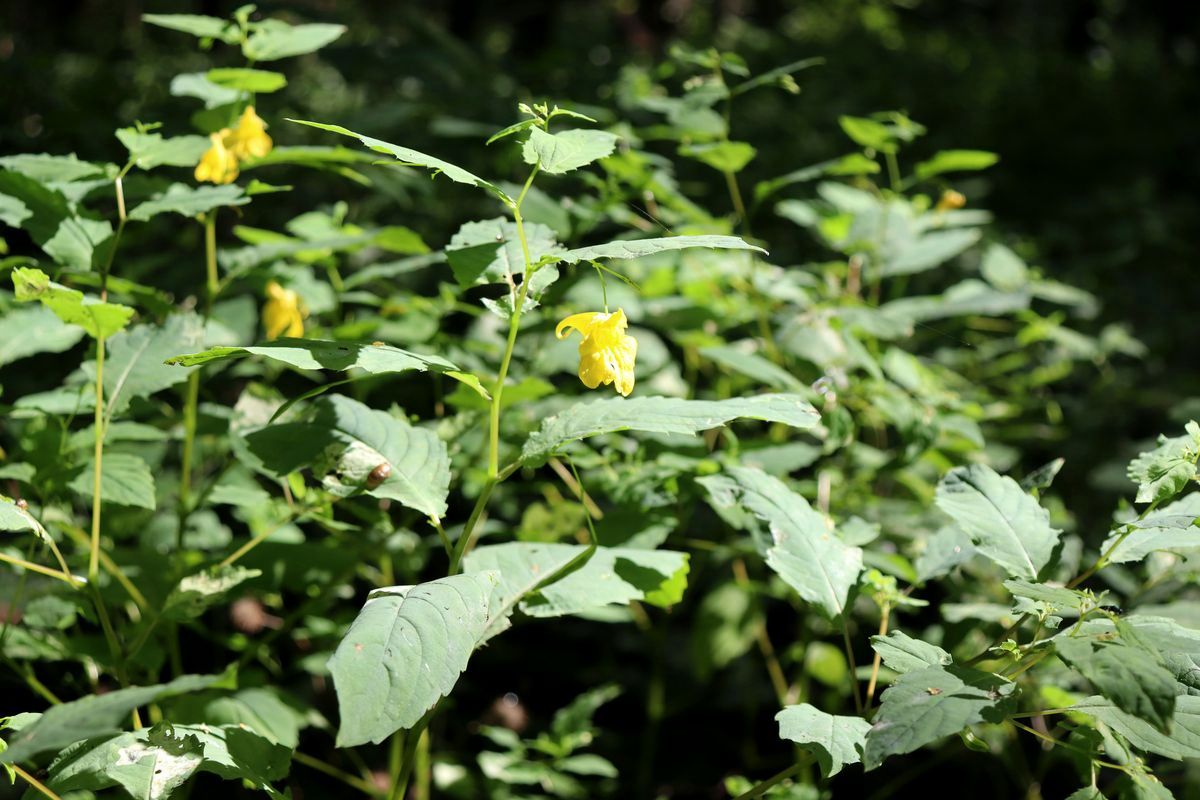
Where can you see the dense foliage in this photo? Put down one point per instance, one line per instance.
(597, 494)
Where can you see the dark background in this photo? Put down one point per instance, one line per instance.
(1094, 108)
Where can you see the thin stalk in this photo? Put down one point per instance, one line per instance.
(97, 463)
(759, 789)
(514, 326)
(353, 781)
(1004, 635)
(233, 557)
(422, 767)
(32, 567)
(212, 287)
(893, 170)
(441, 532)
(408, 760)
(858, 703)
(35, 783)
(80, 537)
(112, 253)
(774, 669)
(464, 540)
(1067, 746)
(735, 196)
(883, 629)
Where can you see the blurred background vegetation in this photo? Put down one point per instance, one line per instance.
(1093, 106)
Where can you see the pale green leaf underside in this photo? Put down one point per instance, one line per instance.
(1183, 741)
(661, 415)
(835, 741)
(637, 248)
(28, 331)
(902, 653)
(414, 158)
(557, 153)
(1004, 522)
(376, 359)
(134, 365)
(805, 551)
(125, 479)
(189, 201)
(97, 715)
(404, 652)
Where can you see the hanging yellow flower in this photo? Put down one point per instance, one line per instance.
(218, 164)
(283, 314)
(607, 353)
(250, 139)
(951, 200)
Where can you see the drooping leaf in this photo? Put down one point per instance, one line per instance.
(661, 415)
(1005, 523)
(153, 762)
(125, 480)
(805, 551)
(1125, 672)
(612, 575)
(930, 250)
(489, 251)
(723, 156)
(273, 39)
(68, 236)
(835, 741)
(196, 592)
(928, 704)
(902, 653)
(1182, 742)
(636, 248)
(557, 153)
(414, 158)
(98, 715)
(190, 201)
(148, 150)
(1173, 527)
(404, 652)
(753, 365)
(254, 81)
(73, 307)
(955, 161)
(197, 25)
(376, 359)
(134, 365)
(263, 709)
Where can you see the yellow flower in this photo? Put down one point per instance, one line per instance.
(283, 314)
(951, 200)
(607, 353)
(218, 164)
(249, 139)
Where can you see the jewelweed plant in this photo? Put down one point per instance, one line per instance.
(268, 468)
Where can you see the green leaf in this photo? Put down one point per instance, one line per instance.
(67, 236)
(558, 153)
(637, 248)
(902, 653)
(724, 156)
(195, 593)
(26, 332)
(955, 161)
(1163, 472)
(254, 81)
(190, 201)
(927, 704)
(548, 580)
(52, 169)
(134, 366)
(154, 762)
(1125, 672)
(1004, 269)
(71, 306)
(261, 709)
(835, 741)
(414, 158)
(1182, 742)
(868, 133)
(726, 627)
(404, 652)
(1173, 527)
(752, 365)
(197, 84)
(661, 415)
(419, 475)
(488, 251)
(930, 250)
(98, 715)
(376, 359)
(805, 551)
(150, 150)
(273, 39)
(197, 25)
(1004, 522)
(125, 480)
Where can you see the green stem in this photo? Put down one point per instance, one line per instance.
(893, 170)
(35, 783)
(97, 463)
(352, 781)
(212, 288)
(32, 567)
(233, 557)
(408, 760)
(464, 540)
(858, 704)
(759, 789)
